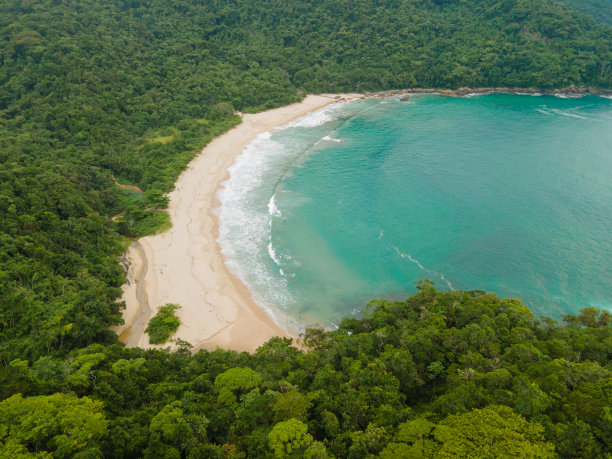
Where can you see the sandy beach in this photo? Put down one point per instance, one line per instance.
(184, 265)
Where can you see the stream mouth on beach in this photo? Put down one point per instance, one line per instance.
(504, 193)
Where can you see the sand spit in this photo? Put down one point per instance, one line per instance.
(184, 265)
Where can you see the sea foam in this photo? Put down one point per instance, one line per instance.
(272, 209)
(244, 230)
(418, 263)
(331, 139)
(316, 119)
(572, 115)
(248, 210)
(407, 255)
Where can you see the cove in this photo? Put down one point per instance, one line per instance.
(504, 193)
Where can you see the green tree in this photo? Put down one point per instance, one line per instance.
(291, 405)
(57, 425)
(494, 431)
(235, 381)
(369, 442)
(288, 438)
(435, 370)
(173, 434)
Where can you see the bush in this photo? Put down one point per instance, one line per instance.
(163, 324)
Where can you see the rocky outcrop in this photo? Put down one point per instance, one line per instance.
(572, 91)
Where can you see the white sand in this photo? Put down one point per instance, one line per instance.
(184, 265)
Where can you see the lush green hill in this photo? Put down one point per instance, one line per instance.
(600, 10)
(134, 88)
(457, 374)
(92, 90)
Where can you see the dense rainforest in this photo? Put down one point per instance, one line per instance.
(600, 10)
(97, 94)
(443, 374)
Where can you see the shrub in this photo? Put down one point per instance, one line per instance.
(163, 324)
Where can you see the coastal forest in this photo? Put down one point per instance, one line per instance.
(104, 103)
(600, 10)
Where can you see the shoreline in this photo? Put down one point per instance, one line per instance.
(184, 265)
(571, 91)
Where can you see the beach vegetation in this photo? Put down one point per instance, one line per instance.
(163, 324)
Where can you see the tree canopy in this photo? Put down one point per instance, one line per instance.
(104, 103)
(442, 373)
(61, 424)
(99, 94)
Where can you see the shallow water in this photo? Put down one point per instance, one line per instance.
(505, 193)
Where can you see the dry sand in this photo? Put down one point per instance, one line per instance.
(184, 265)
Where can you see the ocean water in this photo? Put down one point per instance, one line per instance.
(505, 193)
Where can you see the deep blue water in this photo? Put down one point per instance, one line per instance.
(505, 193)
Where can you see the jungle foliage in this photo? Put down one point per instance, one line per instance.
(600, 10)
(94, 90)
(91, 91)
(442, 374)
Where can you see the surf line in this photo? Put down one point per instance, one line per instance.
(418, 263)
(273, 211)
(310, 120)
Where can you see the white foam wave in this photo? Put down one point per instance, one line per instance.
(331, 139)
(555, 111)
(535, 94)
(244, 229)
(418, 263)
(272, 209)
(316, 118)
(572, 115)
(447, 281)
(407, 255)
(274, 258)
(381, 234)
(248, 208)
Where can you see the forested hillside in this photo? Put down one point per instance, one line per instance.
(133, 89)
(91, 91)
(441, 374)
(600, 10)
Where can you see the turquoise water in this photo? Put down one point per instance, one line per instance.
(505, 193)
